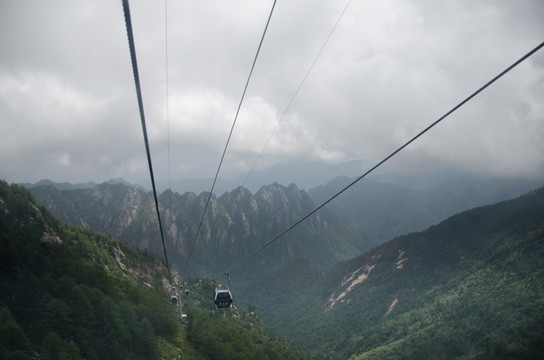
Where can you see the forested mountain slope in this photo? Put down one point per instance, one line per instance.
(73, 293)
(471, 287)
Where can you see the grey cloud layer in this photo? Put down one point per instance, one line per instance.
(68, 109)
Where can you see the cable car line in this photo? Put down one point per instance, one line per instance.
(132, 47)
(167, 100)
(504, 72)
(296, 92)
(228, 139)
(148, 153)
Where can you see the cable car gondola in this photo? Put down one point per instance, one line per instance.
(173, 296)
(223, 297)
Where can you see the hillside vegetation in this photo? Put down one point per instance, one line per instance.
(471, 287)
(72, 293)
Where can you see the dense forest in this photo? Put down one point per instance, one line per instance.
(73, 293)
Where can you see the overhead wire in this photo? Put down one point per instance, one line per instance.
(297, 91)
(167, 84)
(229, 137)
(167, 99)
(130, 35)
(504, 72)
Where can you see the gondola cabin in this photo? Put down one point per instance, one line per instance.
(223, 298)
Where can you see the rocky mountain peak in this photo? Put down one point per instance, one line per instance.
(235, 224)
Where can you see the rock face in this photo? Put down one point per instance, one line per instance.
(106, 208)
(235, 225)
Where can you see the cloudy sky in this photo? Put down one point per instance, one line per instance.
(68, 108)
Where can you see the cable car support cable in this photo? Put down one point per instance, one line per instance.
(228, 139)
(167, 102)
(504, 72)
(130, 35)
(296, 92)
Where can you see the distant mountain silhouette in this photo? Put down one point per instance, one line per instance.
(386, 206)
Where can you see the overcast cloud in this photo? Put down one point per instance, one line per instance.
(68, 108)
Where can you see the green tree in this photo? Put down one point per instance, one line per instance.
(13, 341)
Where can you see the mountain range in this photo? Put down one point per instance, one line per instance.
(373, 211)
(235, 224)
(469, 287)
